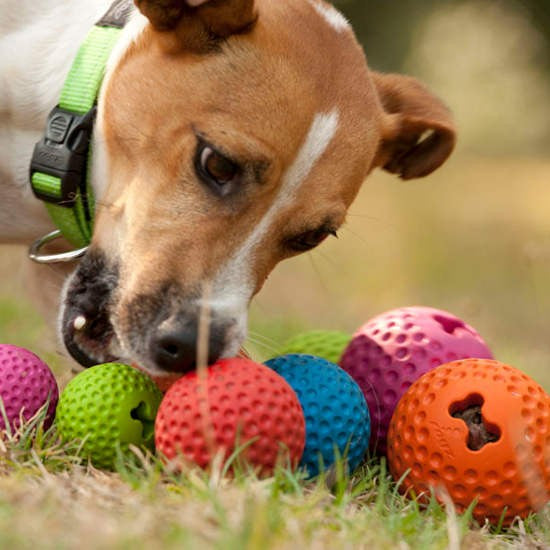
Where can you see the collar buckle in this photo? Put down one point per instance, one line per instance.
(58, 164)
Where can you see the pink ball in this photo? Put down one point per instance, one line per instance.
(26, 383)
(390, 352)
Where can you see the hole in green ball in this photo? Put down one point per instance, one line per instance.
(146, 416)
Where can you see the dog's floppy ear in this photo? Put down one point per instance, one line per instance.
(418, 132)
(218, 18)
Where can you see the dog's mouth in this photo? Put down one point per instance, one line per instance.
(89, 341)
(86, 328)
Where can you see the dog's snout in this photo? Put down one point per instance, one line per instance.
(174, 350)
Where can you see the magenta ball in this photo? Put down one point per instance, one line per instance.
(26, 383)
(390, 352)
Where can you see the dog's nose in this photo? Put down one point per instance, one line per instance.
(175, 349)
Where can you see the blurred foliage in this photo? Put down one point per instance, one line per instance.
(386, 29)
(489, 60)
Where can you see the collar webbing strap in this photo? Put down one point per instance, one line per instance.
(60, 166)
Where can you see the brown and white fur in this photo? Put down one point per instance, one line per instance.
(231, 134)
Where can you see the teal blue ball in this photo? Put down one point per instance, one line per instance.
(336, 413)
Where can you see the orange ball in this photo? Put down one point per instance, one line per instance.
(478, 429)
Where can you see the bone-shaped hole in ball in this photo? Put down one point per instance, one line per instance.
(450, 325)
(480, 432)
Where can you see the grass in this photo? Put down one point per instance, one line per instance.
(49, 498)
(473, 239)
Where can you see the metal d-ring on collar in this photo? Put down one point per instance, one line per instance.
(64, 257)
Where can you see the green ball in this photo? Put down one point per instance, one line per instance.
(328, 344)
(108, 407)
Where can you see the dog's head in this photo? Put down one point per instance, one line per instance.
(232, 134)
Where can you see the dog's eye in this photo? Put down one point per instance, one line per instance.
(215, 169)
(219, 168)
(310, 239)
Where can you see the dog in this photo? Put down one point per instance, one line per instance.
(230, 135)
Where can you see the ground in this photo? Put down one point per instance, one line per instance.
(473, 239)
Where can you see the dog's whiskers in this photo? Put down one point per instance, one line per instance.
(270, 346)
(263, 337)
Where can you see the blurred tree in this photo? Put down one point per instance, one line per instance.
(540, 17)
(386, 28)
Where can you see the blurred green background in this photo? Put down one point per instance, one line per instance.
(473, 238)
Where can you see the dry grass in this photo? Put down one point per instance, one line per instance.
(144, 505)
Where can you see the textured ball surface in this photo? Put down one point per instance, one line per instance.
(391, 351)
(237, 401)
(334, 407)
(26, 384)
(328, 344)
(479, 428)
(112, 406)
(165, 381)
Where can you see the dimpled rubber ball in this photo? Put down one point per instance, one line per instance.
(234, 404)
(328, 344)
(26, 384)
(165, 381)
(479, 428)
(335, 409)
(391, 351)
(109, 406)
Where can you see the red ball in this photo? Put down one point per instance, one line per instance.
(232, 402)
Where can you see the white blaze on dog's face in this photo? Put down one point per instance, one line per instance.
(232, 136)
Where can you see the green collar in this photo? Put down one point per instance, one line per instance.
(61, 162)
